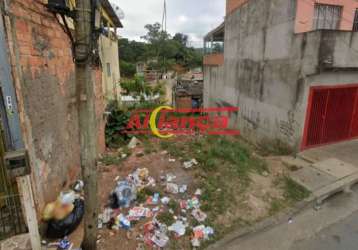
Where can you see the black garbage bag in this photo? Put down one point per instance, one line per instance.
(57, 229)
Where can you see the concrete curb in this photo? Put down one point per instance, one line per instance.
(281, 217)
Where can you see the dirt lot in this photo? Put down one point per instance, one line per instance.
(238, 187)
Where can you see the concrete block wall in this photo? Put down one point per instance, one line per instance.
(47, 94)
(268, 69)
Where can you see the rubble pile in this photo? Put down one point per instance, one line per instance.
(168, 213)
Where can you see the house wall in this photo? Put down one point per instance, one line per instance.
(305, 13)
(183, 102)
(109, 55)
(232, 5)
(46, 92)
(268, 70)
(214, 59)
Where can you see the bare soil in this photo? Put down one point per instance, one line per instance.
(250, 205)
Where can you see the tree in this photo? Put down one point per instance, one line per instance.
(159, 45)
(128, 69)
(160, 51)
(132, 51)
(181, 38)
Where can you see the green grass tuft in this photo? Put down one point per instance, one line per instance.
(293, 191)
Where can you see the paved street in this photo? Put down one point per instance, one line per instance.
(334, 226)
(340, 236)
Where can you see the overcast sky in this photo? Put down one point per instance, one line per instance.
(192, 17)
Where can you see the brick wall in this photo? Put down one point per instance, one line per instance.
(214, 59)
(47, 94)
(232, 5)
(183, 102)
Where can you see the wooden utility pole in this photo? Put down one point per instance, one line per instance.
(87, 118)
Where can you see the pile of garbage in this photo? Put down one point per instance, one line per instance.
(65, 214)
(124, 211)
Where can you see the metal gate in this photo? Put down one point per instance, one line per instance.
(11, 216)
(332, 115)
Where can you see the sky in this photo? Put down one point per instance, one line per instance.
(192, 17)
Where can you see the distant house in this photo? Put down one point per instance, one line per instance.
(38, 101)
(188, 94)
(108, 45)
(290, 66)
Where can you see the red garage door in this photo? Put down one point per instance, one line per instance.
(332, 115)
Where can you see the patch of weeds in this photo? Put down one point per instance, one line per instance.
(216, 196)
(141, 196)
(175, 149)
(126, 150)
(116, 125)
(294, 192)
(219, 152)
(165, 144)
(166, 218)
(111, 160)
(148, 191)
(173, 205)
(276, 206)
(274, 147)
(148, 147)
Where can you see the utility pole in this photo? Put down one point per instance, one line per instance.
(87, 119)
(164, 18)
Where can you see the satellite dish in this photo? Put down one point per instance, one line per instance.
(119, 12)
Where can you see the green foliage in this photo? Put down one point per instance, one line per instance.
(127, 69)
(116, 125)
(160, 50)
(132, 51)
(138, 87)
(173, 205)
(293, 191)
(181, 38)
(166, 218)
(111, 160)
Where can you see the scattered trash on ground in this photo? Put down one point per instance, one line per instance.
(163, 216)
(124, 193)
(199, 215)
(178, 227)
(78, 186)
(201, 232)
(172, 188)
(190, 164)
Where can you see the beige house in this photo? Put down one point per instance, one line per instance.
(110, 65)
(108, 52)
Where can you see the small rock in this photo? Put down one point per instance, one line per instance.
(134, 142)
(140, 154)
(265, 173)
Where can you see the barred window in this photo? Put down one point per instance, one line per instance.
(327, 17)
(355, 24)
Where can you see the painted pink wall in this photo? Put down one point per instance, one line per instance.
(305, 13)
